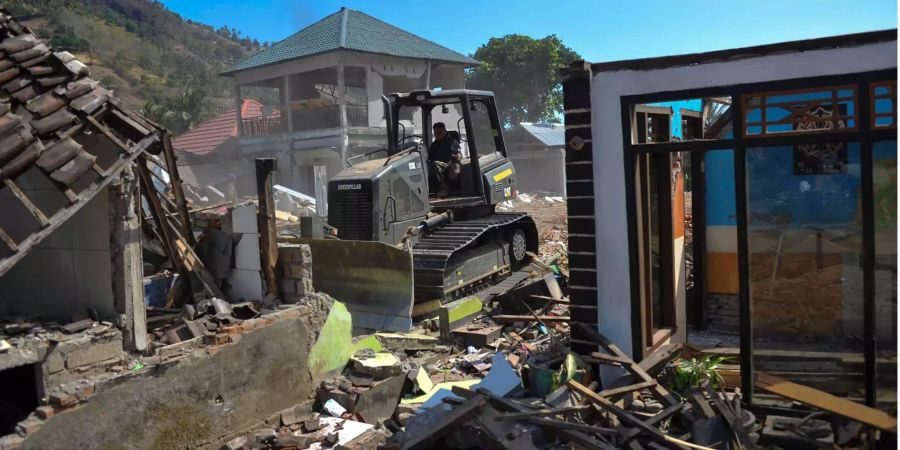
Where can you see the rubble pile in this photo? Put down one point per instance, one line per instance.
(550, 216)
(197, 320)
(506, 379)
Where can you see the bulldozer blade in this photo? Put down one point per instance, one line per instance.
(374, 280)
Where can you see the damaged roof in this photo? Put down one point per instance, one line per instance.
(48, 102)
(351, 30)
(208, 136)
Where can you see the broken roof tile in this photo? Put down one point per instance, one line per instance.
(8, 122)
(45, 104)
(27, 93)
(19, 43)
(33, 52)
(74, 169)
(12, 144)
(16, 84)
(24, 160)
(35, 79)
(90, 102)
(78, 88)
(53, 122)
(59, 154)
(9, 74)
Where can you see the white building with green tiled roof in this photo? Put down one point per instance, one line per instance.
(327, 80)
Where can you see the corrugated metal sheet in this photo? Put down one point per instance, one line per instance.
(550, 134)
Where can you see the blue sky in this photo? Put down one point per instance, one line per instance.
(598, 30)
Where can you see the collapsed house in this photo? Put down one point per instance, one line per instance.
(94, 215)
(768, 173)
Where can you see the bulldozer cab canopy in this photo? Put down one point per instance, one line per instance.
(478, 125)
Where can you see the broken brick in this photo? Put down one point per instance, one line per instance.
(45, 412)
(11, 441)
(264, 435)
(29, 426)
(288, 440)
(289, 417)
(235, 444)
(311, 425)
(63, 399)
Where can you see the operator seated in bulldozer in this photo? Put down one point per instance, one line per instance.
(444, 162)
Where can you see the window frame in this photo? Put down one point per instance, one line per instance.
(864, 132)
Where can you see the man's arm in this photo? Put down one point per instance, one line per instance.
(455, 153)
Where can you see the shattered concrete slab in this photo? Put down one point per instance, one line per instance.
(183, 400)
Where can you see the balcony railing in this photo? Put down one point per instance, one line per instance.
(262, 126)
(358, 115)
(306, 120)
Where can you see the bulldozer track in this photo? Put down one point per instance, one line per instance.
(432, 253)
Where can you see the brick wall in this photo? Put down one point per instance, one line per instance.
(724, 313)
(295, 268)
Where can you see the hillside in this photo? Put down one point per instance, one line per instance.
(156, 61)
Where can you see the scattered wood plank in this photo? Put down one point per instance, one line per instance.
(626, 389)
(508, 405)
(544, 412)
(510, 318)
(701, 406)
(625, 416)
(733, 421)
(827, 402)
(610, 359)
(557, 424)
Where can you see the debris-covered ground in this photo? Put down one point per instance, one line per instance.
(504, 377)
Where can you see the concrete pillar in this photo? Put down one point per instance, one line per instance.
(342, 107)
(287, 113)
(374, 90)
(238, 102)
(320, 178)
(127, 260)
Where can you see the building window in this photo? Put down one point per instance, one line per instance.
(656, 230)
(691, 124)
(652, 124)
(802, 111)
(884, 104)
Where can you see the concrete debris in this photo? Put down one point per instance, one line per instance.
(235, 444)
(406, 341)
(380, 365)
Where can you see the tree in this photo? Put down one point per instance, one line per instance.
(523, 72)
(178, 114)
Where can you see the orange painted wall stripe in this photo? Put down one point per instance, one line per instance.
(722, 273)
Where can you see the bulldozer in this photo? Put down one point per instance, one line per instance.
(403, 246)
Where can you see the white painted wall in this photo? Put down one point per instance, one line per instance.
(613, 278)
(70, 271)
(539, 170)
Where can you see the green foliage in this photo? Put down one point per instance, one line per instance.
(693, 372)
(523, 72)
(178, 114)
(162, 63)
(64, 38)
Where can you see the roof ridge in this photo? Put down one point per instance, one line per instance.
(357, 32)
(279, 42)
(411, 34)
(343, 40)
